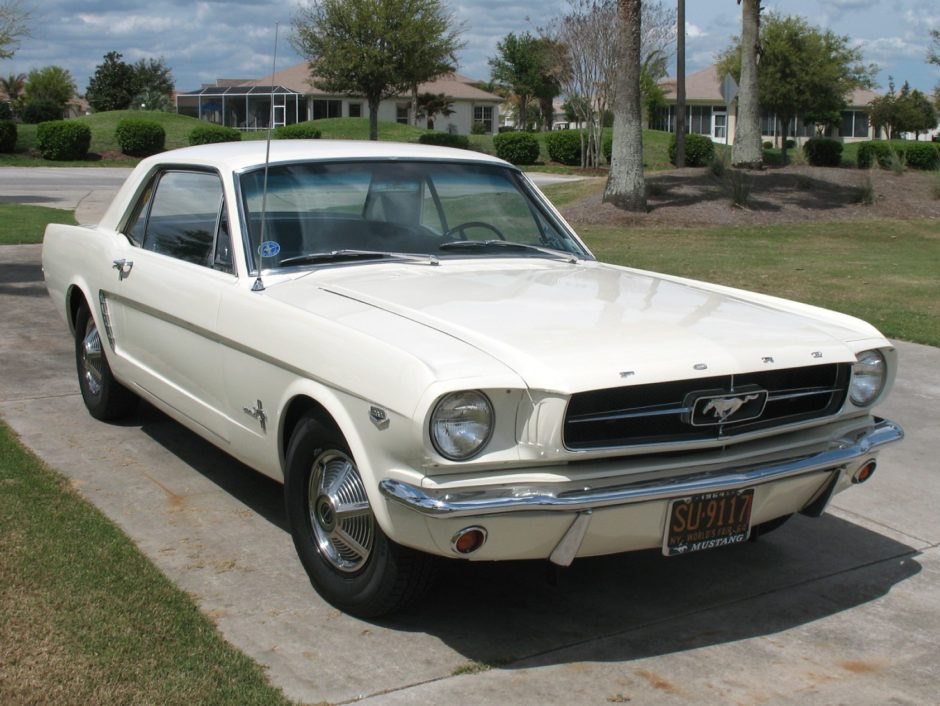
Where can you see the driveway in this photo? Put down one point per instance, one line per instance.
(841, 609)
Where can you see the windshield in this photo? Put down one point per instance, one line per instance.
(395, 207)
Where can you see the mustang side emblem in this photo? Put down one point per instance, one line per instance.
(722, 408)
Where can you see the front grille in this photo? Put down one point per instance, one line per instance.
(661, 412)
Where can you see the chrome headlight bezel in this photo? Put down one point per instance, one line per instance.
(461, 424)
(869, 377)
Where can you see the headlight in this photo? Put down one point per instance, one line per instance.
(868, 378)
(461, 424)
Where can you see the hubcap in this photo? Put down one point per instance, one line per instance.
(92, 358)
(340, 514)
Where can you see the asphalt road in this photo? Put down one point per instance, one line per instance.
(841, 609)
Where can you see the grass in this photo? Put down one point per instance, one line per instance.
(20, 224)
(884, 271)
(88, 619)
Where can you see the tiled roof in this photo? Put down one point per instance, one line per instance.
(705, 85)
(297, 78)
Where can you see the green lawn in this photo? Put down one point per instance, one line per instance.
(87, 619)
(25, 224)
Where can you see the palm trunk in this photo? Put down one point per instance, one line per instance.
(747, 151)
(626, 187)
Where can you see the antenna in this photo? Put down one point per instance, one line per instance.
(263, 247)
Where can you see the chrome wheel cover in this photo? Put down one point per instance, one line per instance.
(340, 514)
(92, 358)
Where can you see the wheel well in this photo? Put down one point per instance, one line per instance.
(75, 299)
(298, 408)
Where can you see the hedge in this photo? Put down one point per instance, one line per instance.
(140, 138)
(516, 147)
(208, 134)
(63, 139)
(917, 155)
(699, 150)
(564, 146)
(297, 131)
(445, 139)
(823, 152)
(7, 136)
(41, 110)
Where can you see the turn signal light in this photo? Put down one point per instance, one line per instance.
(468, 540)
(864, 473)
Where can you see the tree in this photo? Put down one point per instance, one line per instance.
(14, 26)
(552, 70)
(12, 87)
(52, 84)
(113, 85)
(803, 71)
(626, 187)
(747, 151)
(933, 52)
(907, 111)
(431, 104)
(374, 48)
(153, 84)
(517, 68)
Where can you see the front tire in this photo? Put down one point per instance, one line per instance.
(105, 398)
(350, 561)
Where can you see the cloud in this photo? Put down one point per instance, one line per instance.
(694, 31)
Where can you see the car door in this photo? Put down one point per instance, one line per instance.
(163, 302)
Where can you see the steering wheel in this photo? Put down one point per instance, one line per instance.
(473, 224)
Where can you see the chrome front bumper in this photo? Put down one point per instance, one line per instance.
(488, 500)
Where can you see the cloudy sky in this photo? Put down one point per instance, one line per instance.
(201, 40)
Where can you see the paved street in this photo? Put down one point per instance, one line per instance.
(841, 609)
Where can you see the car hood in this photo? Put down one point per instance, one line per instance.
(571, 327)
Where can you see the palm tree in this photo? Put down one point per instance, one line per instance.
(626, 187)
(12, 86)
(747, 150)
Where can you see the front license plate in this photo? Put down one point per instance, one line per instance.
(707, 521)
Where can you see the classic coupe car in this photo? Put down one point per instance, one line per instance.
(415, 342)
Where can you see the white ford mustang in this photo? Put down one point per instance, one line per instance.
(419, 346)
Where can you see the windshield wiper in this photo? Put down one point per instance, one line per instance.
(483, 244)
(346, 255)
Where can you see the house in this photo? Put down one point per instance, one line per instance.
(708, 114)
(246, 103)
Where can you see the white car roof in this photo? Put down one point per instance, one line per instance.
(236, 156)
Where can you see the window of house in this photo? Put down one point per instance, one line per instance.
(355, 110)
(854, 124)
(327, 109)
(401, 114)
(484, 114)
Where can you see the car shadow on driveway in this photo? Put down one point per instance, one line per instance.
(523, 613)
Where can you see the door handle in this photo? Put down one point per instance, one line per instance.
(123, 267)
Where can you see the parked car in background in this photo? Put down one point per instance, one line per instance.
(415, 342)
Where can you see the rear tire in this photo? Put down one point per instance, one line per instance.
(105, 398)
(350, 561)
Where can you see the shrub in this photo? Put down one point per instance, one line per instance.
(823, 152)
(699, 150)
(140, 138)
(789, 144)
(767, 145)
(921, 155)
(41, 110)
(208, 134)
(739, 188)
(720, 163)
(7, 136)
(6, 111)
(297, 131)
(516, 147)
(63, 139)
(564, 146)
(865, 192)
(477, 128)
(445, 139)
(918, 155)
